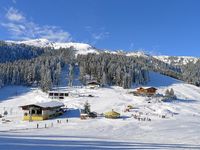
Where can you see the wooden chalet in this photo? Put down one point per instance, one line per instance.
(146, 91)
(42, 111)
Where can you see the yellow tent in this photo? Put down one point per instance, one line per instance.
(112, 114)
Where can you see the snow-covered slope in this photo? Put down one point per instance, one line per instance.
(137, 53)
(177, 60)
(81, 48)
(179, 129)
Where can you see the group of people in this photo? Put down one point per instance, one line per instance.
(139, 118)
(51, 125)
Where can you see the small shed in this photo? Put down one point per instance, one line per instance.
(112, 114)
(42, 111)
(83, 115)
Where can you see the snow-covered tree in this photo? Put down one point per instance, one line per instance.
(167, 93)
(71, 75)
(87, 107)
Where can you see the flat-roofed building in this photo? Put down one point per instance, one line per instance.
(58, 94)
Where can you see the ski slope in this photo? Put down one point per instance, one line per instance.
(178, 130)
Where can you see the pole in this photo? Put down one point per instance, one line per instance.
(30, 114)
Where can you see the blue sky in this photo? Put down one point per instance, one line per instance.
(165, 27)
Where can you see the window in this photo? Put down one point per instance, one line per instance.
(39, 111)
(50, 94)
(55, 94)
(33, 111)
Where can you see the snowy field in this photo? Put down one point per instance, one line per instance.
(178, 129)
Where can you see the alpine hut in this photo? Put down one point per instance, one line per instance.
(42, 111)
(146, 91)
(93, 84)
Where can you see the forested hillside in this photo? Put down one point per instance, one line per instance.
(28, 65)
(122, 70)
(11, 52)
(43, 71)
(113, 69)
(191, 73)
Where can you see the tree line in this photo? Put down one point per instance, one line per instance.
(111, 69)
(43, 71)
(10, 52)
(29, 65)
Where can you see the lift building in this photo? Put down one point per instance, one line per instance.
(58, 94)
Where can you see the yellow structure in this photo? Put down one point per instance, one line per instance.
(34, 118)
(112, 114)
(42, 111)
(130, 107)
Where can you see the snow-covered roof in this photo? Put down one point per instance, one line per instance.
(93, 82)
(51, 104)
(58, 91)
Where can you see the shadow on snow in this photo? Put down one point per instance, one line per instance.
(10, 92)
(20, 142)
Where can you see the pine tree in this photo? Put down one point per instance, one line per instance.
(57, 74)
(46, 81)
(1, 83)
(167, 93)
(71, 75)
(104, 78)
(171, 92)
(87, 107)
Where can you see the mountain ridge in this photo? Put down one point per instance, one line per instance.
(84, 48)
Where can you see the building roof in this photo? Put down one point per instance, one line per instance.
(112, 113)
(58, 91)
(93, 82)
(141, 88)
(51, 104)
(152, 88)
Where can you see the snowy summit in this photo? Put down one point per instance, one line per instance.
(81, 48)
